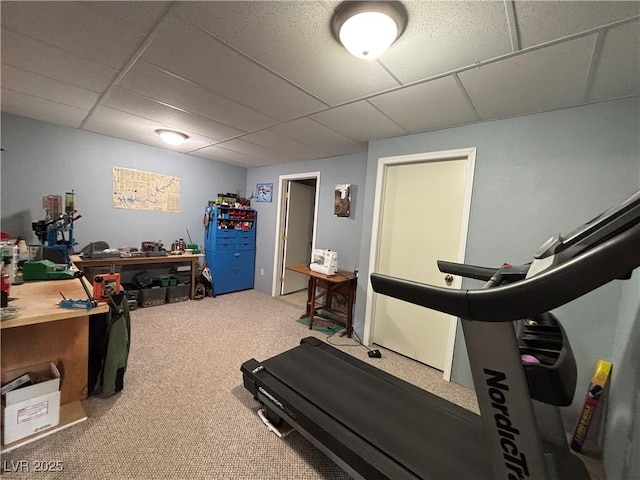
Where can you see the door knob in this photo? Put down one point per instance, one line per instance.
(448, 279)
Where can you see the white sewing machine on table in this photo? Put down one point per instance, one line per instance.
(324, 261)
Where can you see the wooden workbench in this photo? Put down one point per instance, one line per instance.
(86, 264)
(44, 332)
(335, 294)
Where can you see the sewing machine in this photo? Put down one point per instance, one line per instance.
(324, 261)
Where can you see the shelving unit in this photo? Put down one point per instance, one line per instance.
(230, 239)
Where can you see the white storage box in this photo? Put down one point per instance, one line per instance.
(31, 409)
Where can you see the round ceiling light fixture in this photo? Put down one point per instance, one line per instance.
(368, 28)
(172, 137)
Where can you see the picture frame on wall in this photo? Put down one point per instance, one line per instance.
(264, 192)
(342, 200)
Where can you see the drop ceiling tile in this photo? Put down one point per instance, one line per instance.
(41, 109)
(152, 82)
(618, 71)
(229, 156)
(315, 135)
(247, 148)
(226, 72)
(545, 79)
(359, 121)
(124, 133)
(46, 88)
(543, 21)
(279, 143)
(271, 33)
(74, 28)
(137, 105)
(33, 56)
(444, 36)
(112, 122)
(140, 16)
(428, 106)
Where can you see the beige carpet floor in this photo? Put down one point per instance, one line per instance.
(184, 413)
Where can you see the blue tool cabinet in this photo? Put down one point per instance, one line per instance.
(230, 248)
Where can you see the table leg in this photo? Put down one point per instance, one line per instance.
(311, 291)
(350, 302)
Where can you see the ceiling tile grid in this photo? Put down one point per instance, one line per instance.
(427, 106)
(261, 83)
(157, 84)
(28, 83)
(230, 156)
(536, 81)
(285, 146)
(75, 29)
(540, 22)
(445, 36)
(618, 70)
(115, 123)
(286, 37)
(312, 133)
(360, 121)
(42, 109)
(140, 16)
(192, 54)
(169, 117)
(25, 53)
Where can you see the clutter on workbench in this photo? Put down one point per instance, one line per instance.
(55, 231)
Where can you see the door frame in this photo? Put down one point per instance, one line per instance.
(280, 223)
(383, 164)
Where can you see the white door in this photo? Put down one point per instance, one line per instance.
(298, 234)
(424, 212)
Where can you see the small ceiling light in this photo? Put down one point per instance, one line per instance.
(172, 137)
(367, 29)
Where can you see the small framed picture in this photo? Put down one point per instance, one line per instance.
(264, 192)
(342, 201)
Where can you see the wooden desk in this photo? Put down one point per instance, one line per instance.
(44, 332)
(89, 263)
(335, 293)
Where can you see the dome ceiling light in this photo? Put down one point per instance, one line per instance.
(368, 28)
(172, 137)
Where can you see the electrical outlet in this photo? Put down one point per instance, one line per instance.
(262, 271)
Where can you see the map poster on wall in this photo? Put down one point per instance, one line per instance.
(138, 190)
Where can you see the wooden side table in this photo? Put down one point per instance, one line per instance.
(335, 294)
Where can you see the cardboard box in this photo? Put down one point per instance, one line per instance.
(33, 408)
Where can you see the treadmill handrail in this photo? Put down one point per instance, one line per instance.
(614, 258)
(468, 271)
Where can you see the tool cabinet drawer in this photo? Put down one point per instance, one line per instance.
(245, 246)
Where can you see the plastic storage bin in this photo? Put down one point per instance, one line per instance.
(150, 297)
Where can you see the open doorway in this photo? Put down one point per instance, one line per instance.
(295, 230)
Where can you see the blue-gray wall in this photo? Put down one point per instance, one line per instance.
(339, 234)
(536, 176)
(41, 159)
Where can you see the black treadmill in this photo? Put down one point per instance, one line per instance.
(376, 426)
